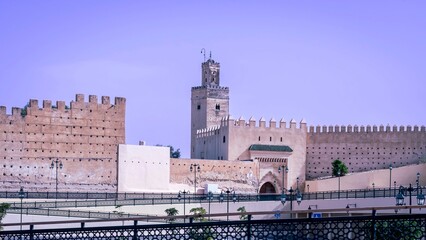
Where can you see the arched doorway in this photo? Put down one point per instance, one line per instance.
(267, 188)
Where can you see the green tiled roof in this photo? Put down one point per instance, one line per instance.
(273, 148)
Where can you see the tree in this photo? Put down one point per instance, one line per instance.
(173, 153)
(171, 212)
(243, 211)
(198, 213)
(3, 209)
(339, 166)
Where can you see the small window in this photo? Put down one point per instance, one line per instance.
(224, 139)
(217, 107)
(198, 107)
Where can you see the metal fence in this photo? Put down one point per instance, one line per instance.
(172, 197)
(365, 227)
(73, 213)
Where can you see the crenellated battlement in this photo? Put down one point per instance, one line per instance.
(364, 129)
(207, 132)
(79, 103)
(210, 87)
(272, 123)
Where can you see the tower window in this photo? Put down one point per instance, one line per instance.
(198, 107)
(224, 139)
(217, 107)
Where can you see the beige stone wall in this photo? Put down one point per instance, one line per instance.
(143, 168)
(84, 136)
(204, 112)
(232, 139)
(363, 148)
(243, 135)
(242, 176)
(381, 179)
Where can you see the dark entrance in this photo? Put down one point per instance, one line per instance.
(267, 188)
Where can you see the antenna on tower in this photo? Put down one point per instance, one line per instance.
(210, 55)
(204, 53)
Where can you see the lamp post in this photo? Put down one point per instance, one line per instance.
(338, 186)
(297, 183)
(390, 176)
(400, 196)
(298, 199)
(420, 195)
(184, 201)
(195, 168)
(56, 164)
(394, 188)
(374, 191)
(21, 195)
(284, 170)
(209, 197)
(234, 199)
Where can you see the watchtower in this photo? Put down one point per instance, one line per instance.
(209, 102)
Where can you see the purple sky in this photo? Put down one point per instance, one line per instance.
(330, 62)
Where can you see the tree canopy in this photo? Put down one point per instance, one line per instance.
(339, 168)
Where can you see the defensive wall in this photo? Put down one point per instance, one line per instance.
(233, 138)
(242, 176)
(83, 136)
(363, 148)
(383, 178)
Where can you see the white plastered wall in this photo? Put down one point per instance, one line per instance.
(143, 168)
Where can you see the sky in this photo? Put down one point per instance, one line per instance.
(328, 62)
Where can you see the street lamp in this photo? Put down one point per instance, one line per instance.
(420, 195)
(390, 176)
(21, 195)
(184, 201)
(374, 191)
(284, 171)
(196, 168)
(297, 183)
(400, 196)
(298, 196)
(210, 198)
(338, 188)
(394, 188)
(56, 164)
(234, 199)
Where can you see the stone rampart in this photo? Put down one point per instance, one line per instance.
(241, 176)
(363, 148)
(83, 136)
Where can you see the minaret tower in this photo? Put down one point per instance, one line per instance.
(209, 102)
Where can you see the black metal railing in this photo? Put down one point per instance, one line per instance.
(73, 213)
(363, 227)
(170, 197)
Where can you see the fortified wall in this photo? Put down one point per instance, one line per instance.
(232, 139)
(83, 137)
(239, 175)
(363, 148)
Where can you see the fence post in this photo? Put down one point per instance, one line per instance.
(249, 227)
(135, 230)
(31, 232)
(373, 224)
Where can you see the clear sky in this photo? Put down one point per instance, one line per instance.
(330, 62)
